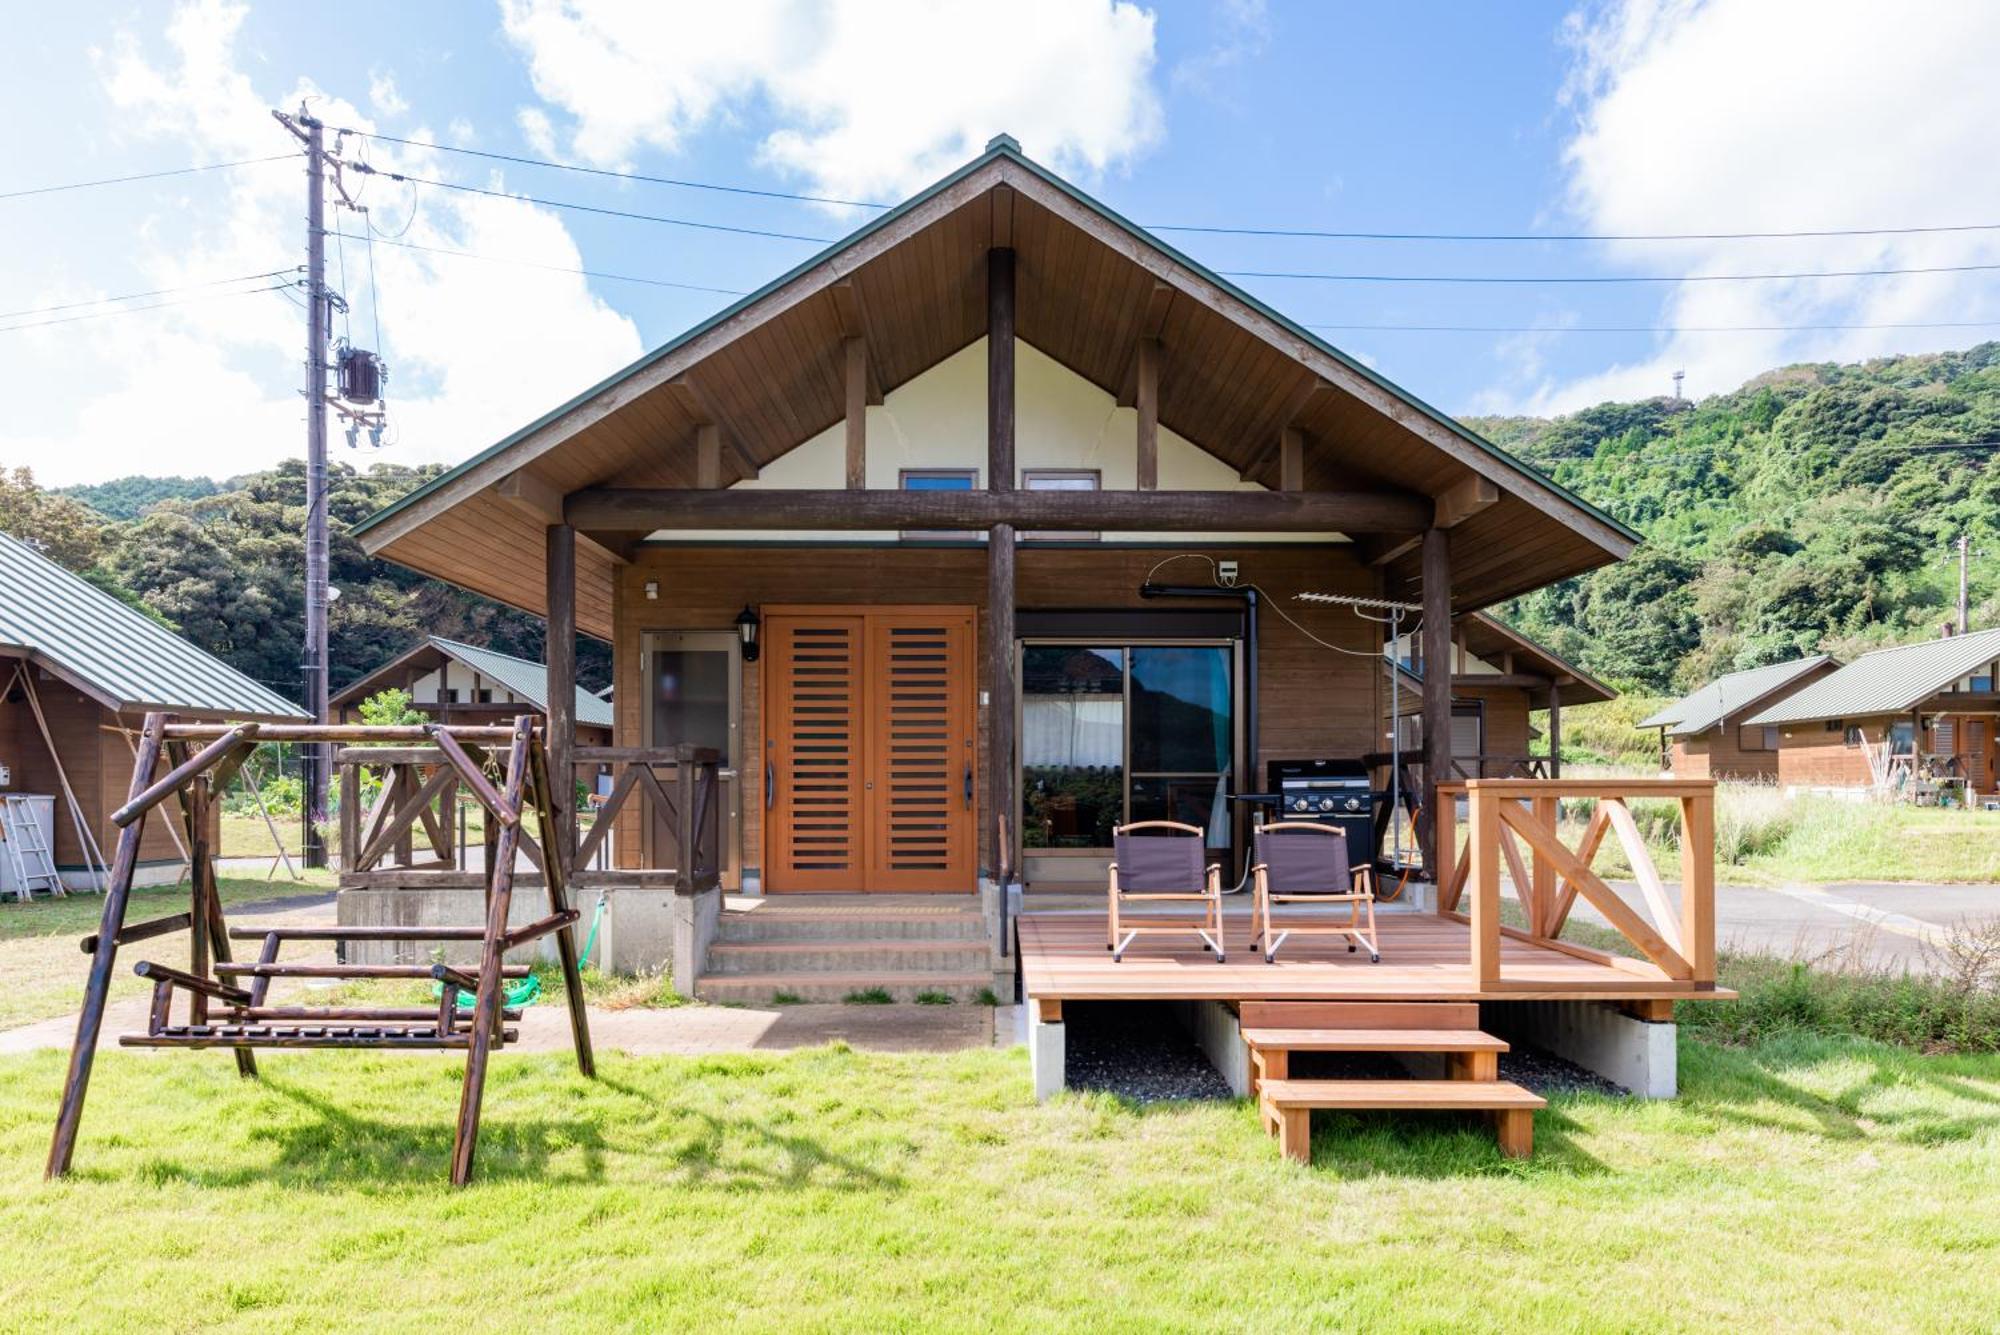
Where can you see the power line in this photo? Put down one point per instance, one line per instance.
(1202, 228)
(1649, 328)
(145, 176)
(154, 306)
(1604, 278)
(138, 296)
(554, 268)
(588, 208)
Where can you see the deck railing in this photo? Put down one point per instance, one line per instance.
(691, 812)
(1516, 825)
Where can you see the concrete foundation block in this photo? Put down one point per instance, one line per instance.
(695, 920)
(1046, 1057)
(1219, 1034)
(411, 906)
(1638, 1055)
(637, 933)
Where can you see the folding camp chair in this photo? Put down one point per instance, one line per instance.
(1160, 861)
(1301, 862)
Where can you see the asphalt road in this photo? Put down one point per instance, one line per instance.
(1900, 926)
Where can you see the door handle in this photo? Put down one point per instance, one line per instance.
(770, 784)
(968, 787)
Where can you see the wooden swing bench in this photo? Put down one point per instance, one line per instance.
(227, 1004)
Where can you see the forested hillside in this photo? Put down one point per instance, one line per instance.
(222, 564)
(1801, 512)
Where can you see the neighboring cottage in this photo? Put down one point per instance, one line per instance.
(1929, 707)
(79, 670)
(1706, 735)
(461, 683)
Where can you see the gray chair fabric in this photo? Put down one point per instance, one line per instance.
(1304, 862)
(1159, 863)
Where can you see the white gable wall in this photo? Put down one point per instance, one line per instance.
(938, 420)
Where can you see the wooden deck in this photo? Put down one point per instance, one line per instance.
(1425, 957)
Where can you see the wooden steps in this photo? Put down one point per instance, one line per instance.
(1273, 1031)
(1288, 1105)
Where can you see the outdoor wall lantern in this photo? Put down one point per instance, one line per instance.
(746, 627)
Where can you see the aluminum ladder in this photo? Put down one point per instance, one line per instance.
(27, 850)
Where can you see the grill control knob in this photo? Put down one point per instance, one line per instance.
(1354, 804)
(1326, 804)
(1300, 804)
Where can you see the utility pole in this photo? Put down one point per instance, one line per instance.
(312, 756)
(1964, 584)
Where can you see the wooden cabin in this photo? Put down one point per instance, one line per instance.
(1927, 711)
(454, 682)
(1705, 734)
(78, 672)
(965, 541)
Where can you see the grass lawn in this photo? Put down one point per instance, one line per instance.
(44, 970)
(1801, 1182)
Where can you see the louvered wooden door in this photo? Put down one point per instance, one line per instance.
(869, 747)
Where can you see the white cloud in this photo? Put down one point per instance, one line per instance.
(382, 95)
(872, 99)
(1242, 33)
(214, 387)
(1749, 115)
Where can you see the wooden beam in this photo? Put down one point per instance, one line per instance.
(533, 496)
(1000, 369)
(1555, 730)
(1152, 325)
(1000, 697)
(856, 350)
(1382, 551)
(1464, 499)
(642, 509)
(1002, 218)
(853, 318)
(708, 455)
(1148, 404)
(1291, 459)
(1269, 437)
(561, 654)
(1436, 632)
(698, 404)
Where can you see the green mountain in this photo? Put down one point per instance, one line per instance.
(1807, 510)
(130, 497)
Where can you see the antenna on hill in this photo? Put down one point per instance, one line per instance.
(1678, 377)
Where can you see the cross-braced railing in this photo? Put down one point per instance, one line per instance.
(687, 804)
(1515, 826)
(228, 1003)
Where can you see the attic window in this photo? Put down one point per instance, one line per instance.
(1060, 479)
(939, 479)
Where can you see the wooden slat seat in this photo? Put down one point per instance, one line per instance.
(303, 1036)
(1287, 1106)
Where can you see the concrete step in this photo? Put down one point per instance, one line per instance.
(847, 956)
(792, 924)
(762, 989)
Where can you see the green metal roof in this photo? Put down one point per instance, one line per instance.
(1888, 681)
(83, 634)
(1694, 714)
(1001, 147)
(529, 680)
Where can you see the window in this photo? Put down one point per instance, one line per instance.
(939, 479)
(1903, 738)
(448, 695)
(1757, 739)
(1060, 479)
(1851, 735)
(485, 694)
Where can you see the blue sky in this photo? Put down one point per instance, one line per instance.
(1631, 115)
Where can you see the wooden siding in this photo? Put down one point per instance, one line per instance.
(1810, 756)
(1720, 754)
(1313, 702)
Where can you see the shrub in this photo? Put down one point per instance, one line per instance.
(1956, 1011)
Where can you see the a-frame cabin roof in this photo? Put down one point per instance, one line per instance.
(524, 677)
(912, 284)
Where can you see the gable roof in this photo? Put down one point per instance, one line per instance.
(769, 366)
(1697, 712)
(521, 676)
(1487, 638)
(123, 659)
(1888, 681)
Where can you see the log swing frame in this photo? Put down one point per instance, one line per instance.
(227, 1002)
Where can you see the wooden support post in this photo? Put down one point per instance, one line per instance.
(1698, 885)
(1485, 854)
(1291, 459)
(1147, 401)
(98, 989)
(1000, 595)
(1555, 730)
(1000, 369)
(1444, 824)
(708, 455)
(560, 842)
(350, 817)
(1541, 905)
(1436, 633)
(857, 413)
(556, 881)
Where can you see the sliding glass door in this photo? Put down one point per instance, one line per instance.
(1113, 733)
